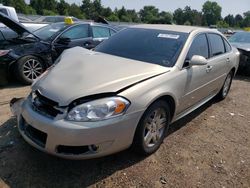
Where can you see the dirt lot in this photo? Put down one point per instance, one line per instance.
(209, 148)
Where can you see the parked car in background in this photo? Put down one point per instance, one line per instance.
(241, 40)
(127, 91)
(27, 55)
(11, 13)
(54, 19)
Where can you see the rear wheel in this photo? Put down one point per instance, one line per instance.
(226, 86)
(28, 69)
(152, 128)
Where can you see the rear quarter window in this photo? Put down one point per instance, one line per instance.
(228, 48)
(217, 44)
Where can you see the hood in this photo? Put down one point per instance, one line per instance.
(13, 25)
(82, 72)
(242, 46)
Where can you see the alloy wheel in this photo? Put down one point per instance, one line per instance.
(154, 128)
(32, 69)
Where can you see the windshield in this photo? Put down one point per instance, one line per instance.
(46, 33)
(149, 45)
(241, 37)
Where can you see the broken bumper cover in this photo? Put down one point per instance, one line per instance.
(76, 140)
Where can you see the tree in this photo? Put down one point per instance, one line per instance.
(133, 16)
(188, 16)
(230, 20)
(197, 18)
(44, 6)
(113, 17)
(164, 18)
(63, 7)
(238, 20)
(148, 14)
(179, 16)
(246, 21)
(222, 24)
(75, 11)
(211, 13)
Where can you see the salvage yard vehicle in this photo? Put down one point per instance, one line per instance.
(241, 40)
(28, 54)
(127, 92)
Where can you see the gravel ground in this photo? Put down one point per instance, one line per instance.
(208, 148)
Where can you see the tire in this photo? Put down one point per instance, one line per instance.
(28, 68)
(226, 86)
(149, 127)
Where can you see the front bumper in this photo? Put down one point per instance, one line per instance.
(76, 140)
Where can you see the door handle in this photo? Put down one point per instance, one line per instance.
(86, 44)
(228, 60)
(209, 68)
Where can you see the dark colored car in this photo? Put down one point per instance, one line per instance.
(241, 40)
(26, 54)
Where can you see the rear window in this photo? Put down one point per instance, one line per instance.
(217, 45)
(227, 46)
(160, 47)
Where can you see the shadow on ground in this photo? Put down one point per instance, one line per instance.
(23, 166)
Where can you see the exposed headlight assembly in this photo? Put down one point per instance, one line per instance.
(98, 110)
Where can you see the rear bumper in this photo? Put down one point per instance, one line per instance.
(76, 140)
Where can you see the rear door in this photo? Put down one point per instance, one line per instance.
(218, 64)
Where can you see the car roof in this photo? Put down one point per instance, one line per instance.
(86, 22)
(177, 28)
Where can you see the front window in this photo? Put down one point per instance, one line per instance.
(160, 47)
(48, 32)
(199, 47)
(77, 32)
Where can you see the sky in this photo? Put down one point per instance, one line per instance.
(228, 6)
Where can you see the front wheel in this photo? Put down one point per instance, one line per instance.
(29, 68)
(152, 128)
(226, 86)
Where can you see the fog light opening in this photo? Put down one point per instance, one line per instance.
(93, 148)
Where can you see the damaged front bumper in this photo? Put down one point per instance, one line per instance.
(75, 140)
(244, 66)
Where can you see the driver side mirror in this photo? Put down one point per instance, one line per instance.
(63, 40)
(198, 60)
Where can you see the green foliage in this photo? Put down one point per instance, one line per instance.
(211, 12)
(113, 18)
(149, 14)
(187, 15)
(91, 9)
(75, 11)
(246, 21)
(48, 12)
(222, 24)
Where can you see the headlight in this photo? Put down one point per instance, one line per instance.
(4, 52)
(99, 109)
